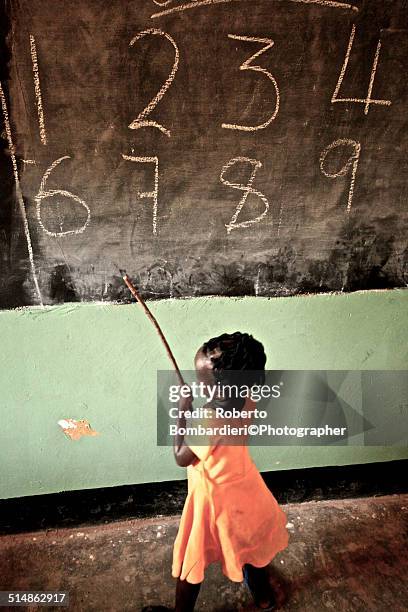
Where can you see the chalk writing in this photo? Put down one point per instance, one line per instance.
(140, 120)
(19, 193)
(37, 89)
(351, 162)
(154, 195)
(196, 3)
(246, 189)
(256, 284)
(43, 193)
(368, 100)
(247, 65)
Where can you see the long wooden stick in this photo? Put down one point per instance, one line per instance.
(138, 297)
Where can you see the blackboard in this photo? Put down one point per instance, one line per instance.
(209, 147)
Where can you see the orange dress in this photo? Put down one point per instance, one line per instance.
(229, 514)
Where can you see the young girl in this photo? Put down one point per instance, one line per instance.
(229, 515)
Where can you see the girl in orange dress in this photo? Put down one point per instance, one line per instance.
(229, 516)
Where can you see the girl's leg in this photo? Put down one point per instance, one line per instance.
(258, 582)
(186, 595)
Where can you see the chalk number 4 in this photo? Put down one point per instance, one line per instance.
(368, 100)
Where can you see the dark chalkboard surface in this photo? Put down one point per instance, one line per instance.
(234, 147)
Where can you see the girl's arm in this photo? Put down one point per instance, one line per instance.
(183, 455)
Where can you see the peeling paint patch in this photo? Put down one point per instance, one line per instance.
(76, 429)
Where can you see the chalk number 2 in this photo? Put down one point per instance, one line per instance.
(141, 120)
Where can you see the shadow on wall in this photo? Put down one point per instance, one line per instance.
(61, 285)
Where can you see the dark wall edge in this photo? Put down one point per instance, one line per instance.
(95, 506)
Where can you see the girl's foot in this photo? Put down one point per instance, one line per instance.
(256, 579)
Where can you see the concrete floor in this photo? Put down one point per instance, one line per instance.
(344, 555)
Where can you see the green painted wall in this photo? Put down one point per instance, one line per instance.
(99, 362)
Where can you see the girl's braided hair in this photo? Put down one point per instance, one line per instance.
(242, 359)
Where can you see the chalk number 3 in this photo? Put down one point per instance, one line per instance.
(247, 65)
